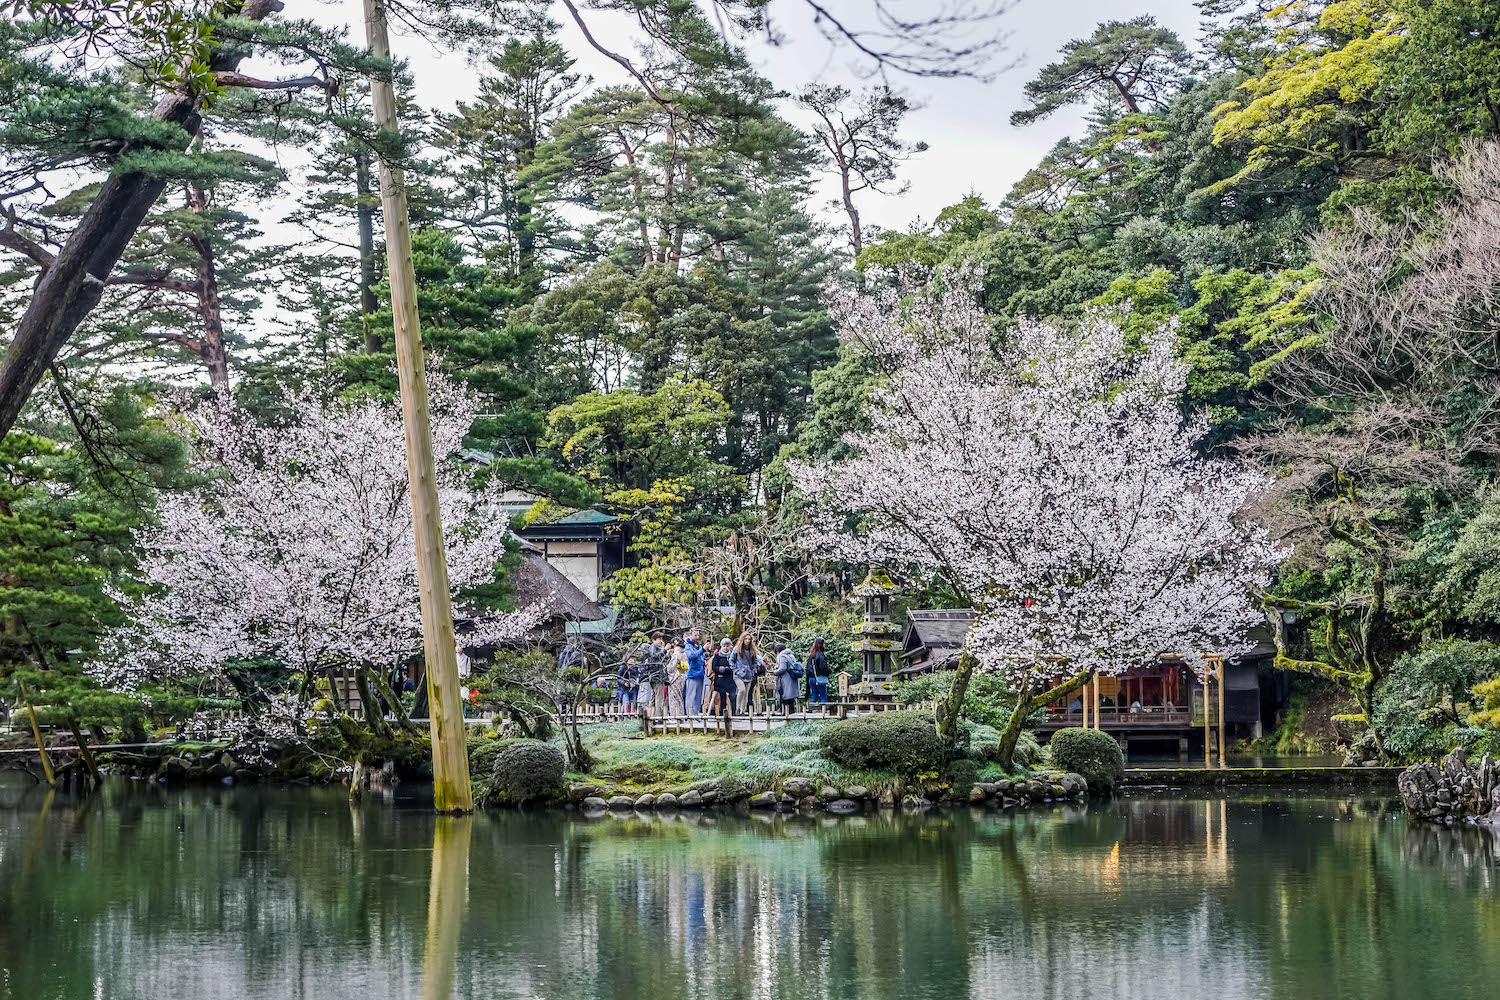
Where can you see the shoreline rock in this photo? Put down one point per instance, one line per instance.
(1452, 790)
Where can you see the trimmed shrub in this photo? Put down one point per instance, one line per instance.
(904, 742)
(521, 771)
(960, 775)
(1091, 753)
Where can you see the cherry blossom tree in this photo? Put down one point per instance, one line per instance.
(299, 546)
(1053, 484)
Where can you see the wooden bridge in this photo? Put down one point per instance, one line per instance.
(758, 721)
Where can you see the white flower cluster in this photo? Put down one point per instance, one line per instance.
(1053, 482)
(300, 546)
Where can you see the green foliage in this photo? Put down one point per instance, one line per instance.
(987, 700)
(464, 309)
(1421, 705)
(1091, 753)
(1135, 62)
(514, 772)
(904, 742)
(68, 507)
(961, 774)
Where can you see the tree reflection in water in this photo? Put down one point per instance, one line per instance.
(143, 891)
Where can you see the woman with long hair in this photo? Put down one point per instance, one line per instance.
(818, 673)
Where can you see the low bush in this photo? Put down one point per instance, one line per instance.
(521, 771)
(903, 742)
(984, 746)
(1091, 753)
(960, 775)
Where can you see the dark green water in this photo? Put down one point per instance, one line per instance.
(147, 892)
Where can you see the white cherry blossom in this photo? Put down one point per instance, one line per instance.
(300, 544)
(1053, 482)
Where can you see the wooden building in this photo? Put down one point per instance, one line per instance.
(1153, 702)
(585, 546)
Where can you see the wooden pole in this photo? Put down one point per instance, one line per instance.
(1220, 673)
(36, 732)
(1097, 705)
(1084, 700)
(1207, 742)
(83, 750)
(450, 761)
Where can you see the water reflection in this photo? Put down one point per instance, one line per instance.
(149, 892)
(447, 895)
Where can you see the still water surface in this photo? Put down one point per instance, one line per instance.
(147, 892)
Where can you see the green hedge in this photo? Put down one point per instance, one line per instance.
(1091, 753)
(511, 772)
(902, 741)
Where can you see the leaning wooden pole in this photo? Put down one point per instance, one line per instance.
(36, 733)
(450, 761)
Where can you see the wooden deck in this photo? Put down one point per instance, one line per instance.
(1125, 721)
(755, 722)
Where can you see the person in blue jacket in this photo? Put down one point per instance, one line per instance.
(697, 664)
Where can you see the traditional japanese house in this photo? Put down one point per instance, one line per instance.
(1153, 703)
(933, 640)
(585, 546)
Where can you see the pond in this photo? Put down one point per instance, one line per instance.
(142, 891)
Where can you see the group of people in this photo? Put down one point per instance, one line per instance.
(686, 678)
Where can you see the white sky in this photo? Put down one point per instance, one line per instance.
(964, 121)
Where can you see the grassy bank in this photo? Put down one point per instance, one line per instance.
(634, 764)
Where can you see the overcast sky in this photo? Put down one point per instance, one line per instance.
(964, 121)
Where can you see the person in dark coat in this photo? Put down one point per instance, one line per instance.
(722, 669)
(818, 672)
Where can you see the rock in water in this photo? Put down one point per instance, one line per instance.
(765, 800)
(647, 801)
(666, 800)
(691, 799)
(797, 788)
(595, 804)
(580, 792)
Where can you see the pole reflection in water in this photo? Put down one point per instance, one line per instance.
(447, 896)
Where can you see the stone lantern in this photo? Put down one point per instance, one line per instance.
(877, 638)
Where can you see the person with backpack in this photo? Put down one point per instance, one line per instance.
(818, 673)
(628, 681)
(747, 667)
(788, 673)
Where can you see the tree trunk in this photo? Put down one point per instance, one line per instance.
(70, 288)
(210, 307)
(370, 702)
(364, 211)
(394, 700)
(1027, 704)
(953, 704)
(856, 234)
(36, 733)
